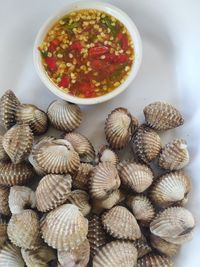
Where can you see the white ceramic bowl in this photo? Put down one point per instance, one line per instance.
(110, 9)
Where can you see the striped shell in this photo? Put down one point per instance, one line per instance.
(8, 106)
(126, 226)
(174, 156)
(174, 225)
(106, 154)
(3, 232)
(52, 191)
(10, 256)
(81, 178)
(154, 260)
(116, 254)
(142, 247)
(135, 176)
(3, 155)
(56, 156)
(162, 116)
(64, 228)
(18, 142)
(82, 146)
(104, 180)
(64, 116)
(33, 116)
(4, 194)
(20, 198)
(24, 230)
(146, 144)
(80, 198)
(15, 174)
(118, 128)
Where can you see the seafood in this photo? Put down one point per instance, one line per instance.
(80, 198)
(3, 232)
(81, 178)
(142, 247)
(106, 154)
(154, 260)
(3, 155)
(4, 193)
(10, 256)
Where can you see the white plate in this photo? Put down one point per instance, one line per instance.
(169, 72)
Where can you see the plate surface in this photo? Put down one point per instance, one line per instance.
(169, 72)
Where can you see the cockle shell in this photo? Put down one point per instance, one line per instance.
(18, 142)
(146, 144)
(82, 146)
(52, 191)
(106, 154)
(135, 176)
(10, 256)
(4, 193)
(33, 116)
(142, 247)
(24, 230)
(162, 116)
(154, 260)
(174, 156)
(40, 257)
(115, 254)
(8, 106)
(64, 228)
(96, 234)
(78, 257)
(56, 156)
(81, 178)
(119, 128)
(80, 198)
(64, 116)
(174, 225)
(3, 155)
(15, 174)
(138, 204)
(120, 223)
(104, 180)
(21, 197)
(3, 232)
(164, 247)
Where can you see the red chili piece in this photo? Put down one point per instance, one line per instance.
(53, 45)
(51, 63)
(123, 40)
(65, 81)
(98, 51)
(76, 46)
(87, 89)
(97, 65)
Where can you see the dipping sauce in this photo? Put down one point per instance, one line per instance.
(87, 53)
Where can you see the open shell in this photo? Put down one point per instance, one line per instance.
(10, 256)
(120, 223)
(162, 116)
(81, 178)
(4, 194)
(21, 197)
(24, 230)
(52, 191)
(106, 154)
(174, 156)
(64, 228)
(154, 260)
(142, 247)
(64, 116)
(80, 198)
(3, 232)
(82, 146)
(104, 180)
(18, 142)
(3, 155)
(8, 106)
(115, 254)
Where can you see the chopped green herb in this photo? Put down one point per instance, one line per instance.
(108, 23)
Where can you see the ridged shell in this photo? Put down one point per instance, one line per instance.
(52, 191)
(34, 117)
(57, 156)
(135, 176)
(162, 116)
(24, 230)
(96, 234)
(20, 198)
(81, 178)
(174, 156)
(4, 194)
(106, 154)
(10, 256)
(146, 144)
(154, 260)
(119, 128)
(16, 174)
(120, 223)
(40, 257)
(3, 155)
(104, 180)
(173, 225)
(8, 106)
(139, 204)
(64, 116)
(116, 254)
(18, 142)
(142, 247)
(82, 146)
(163, 246)
(80, 198)
(171, 188)
(78, 257)
(64, 228)
(3, 232)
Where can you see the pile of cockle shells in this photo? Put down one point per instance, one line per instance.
(90, 209)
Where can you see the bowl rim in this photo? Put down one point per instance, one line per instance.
(79, 5)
